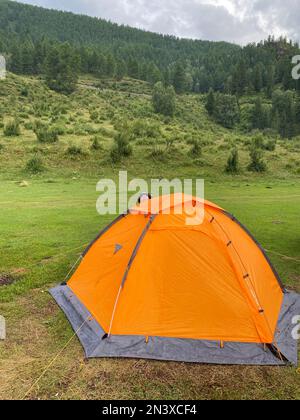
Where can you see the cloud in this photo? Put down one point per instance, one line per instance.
(239, 21)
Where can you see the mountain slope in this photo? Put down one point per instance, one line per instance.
(20, 21)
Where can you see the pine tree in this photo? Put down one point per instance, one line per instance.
(258, 78)
(210, 102)
(270, 81)
(239, 79)
(258, 115)
(110, 66)
(61, 69)
(163, 99)
(154, 74)
(121, 69)
(133, 68)
(179, 78)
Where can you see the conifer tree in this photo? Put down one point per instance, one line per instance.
(210, 102)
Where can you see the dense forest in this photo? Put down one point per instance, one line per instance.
(61, 45)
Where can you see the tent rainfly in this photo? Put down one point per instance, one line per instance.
(152, 286)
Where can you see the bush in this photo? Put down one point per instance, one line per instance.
(94, 116)
(45, 134)
(12, 128)
(226, 111)
(258, 142)
(145, 129)
(34, 165)
(270, 145)
(232, 166)
(164, 100)
(257, 164)
(121, 148)
(96, 145)
(75, 151)
(196, 149)
(158, 153)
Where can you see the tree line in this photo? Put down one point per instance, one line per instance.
(60, 46)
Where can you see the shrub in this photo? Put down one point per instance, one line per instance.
(12, 128)
(164, 100)
(257, 163)
(232, 165)
(75, 151)
(96, 145)
(270, 145)
(45, 134)
(196, 149)
(226, 110)
(94, 116)
(145, 129)
(258, 142)
(121, 147)
(34, 165)
(158, 153)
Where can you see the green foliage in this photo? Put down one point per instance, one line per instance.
(96, 143)
(61, 69)
(196, 149)
(232, 165)
(121, 147)
(210, 102)
(226, 110)
(12, 128)
(179, 79)
(140, 129)
(32, 39)
(75, 151)
(258, 142)
(270, 145)
(45, 134)
(284, 113)
(158, 153)
(257, 163)
(260, 116)
(34, 165)
(163, 99)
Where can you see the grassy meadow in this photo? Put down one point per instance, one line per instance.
(48, 216)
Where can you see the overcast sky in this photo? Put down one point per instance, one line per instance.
(239, 21)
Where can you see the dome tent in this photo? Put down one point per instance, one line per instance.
(152, 286)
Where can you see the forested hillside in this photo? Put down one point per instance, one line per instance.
(61, 45)
(104, 48)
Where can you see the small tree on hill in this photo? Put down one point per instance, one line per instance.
(210, 102)
(121, 148)
(179, 79)
(232, 166)
(61, 69)
(227, 111)
(257, 163)
(164, 99)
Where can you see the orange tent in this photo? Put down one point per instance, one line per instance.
(152, 285)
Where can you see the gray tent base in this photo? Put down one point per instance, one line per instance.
(91, 335)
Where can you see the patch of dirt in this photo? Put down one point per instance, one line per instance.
(6, 279)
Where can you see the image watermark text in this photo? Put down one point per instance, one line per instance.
(2, 67)
(2, 328)
(175, 196)
(296, 69)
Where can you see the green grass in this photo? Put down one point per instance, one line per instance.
(46, 224)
